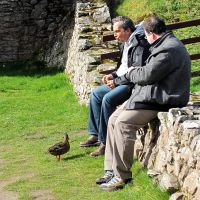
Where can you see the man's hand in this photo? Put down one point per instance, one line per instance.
(110, 84)
(106, 78)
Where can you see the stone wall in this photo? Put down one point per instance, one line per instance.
(92, 18)
(35, 27)
(171, 151)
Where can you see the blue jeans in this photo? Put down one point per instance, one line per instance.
(103, 102)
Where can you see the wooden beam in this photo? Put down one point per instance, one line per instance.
(195, 56)
(116, 54)
(183, 24)
(190, 40)
(195, 74)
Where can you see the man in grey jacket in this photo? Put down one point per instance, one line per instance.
(161, 84)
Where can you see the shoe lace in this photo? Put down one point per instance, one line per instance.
(114, 180)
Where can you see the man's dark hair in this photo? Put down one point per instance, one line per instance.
(155, 25)
(125, 22)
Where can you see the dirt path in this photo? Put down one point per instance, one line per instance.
(12, 195)
(5, 194)
(42, 195)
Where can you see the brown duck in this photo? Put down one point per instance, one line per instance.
(60, 148)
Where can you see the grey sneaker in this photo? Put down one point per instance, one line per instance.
(115, 183)
(106, 178)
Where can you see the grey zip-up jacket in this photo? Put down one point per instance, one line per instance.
(164, 82)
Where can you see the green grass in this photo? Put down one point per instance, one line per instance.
(35, 111)
(195, 84)
(171, 10)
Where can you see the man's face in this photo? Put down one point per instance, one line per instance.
(119, 33)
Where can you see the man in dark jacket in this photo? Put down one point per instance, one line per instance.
(161, 84)
(114, 91)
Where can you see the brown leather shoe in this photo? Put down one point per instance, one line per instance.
(91, 141)
(99, 151)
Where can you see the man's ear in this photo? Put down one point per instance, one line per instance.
(155, 37)
(129, 30)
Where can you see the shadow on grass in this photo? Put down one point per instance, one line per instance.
(28, 69)
(74, 156)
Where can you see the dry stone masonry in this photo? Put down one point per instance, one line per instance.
(35, 27)
(91, 20)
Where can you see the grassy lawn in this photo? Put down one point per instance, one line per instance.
(35, 111)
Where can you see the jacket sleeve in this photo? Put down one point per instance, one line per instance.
(155, 70)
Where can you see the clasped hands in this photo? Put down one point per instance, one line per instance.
(108, 80)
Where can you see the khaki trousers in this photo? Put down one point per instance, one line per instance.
(121, 136)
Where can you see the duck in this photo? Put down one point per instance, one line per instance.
(60, 148)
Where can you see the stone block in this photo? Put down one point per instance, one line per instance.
(191, 182)
(102, 68)
(177, 196)
(169, 182)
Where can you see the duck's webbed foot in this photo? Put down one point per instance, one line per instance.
(58, 157)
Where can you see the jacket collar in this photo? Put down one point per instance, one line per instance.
(132, 41)
(159, 41)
